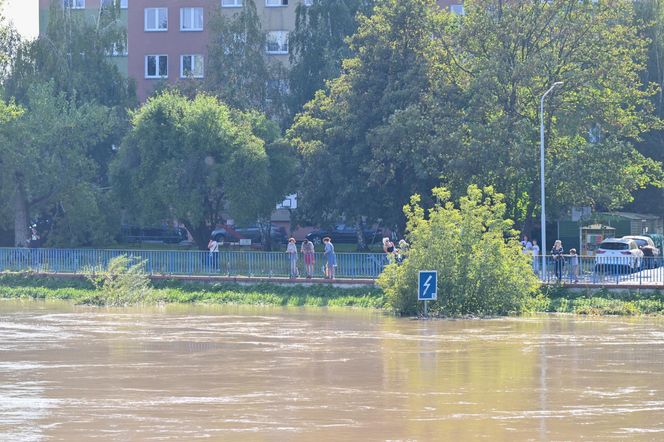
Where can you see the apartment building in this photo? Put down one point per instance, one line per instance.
(167, 40)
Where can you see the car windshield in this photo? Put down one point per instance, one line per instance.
(614, 246)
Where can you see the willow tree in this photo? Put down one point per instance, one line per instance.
(196, 161)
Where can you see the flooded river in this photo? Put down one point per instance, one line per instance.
(262, 374)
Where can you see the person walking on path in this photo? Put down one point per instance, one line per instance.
(291, 250)
(213, 247)
(331, 258)
(308, 254)
(558, 259)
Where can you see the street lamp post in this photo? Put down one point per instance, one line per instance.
(542, 194)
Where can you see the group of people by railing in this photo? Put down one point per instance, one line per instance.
(309, 257)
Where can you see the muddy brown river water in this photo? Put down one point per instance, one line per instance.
(263, 374)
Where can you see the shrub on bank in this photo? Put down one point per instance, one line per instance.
(124, 282)
(481, 269)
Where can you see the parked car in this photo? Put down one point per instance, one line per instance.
(651, 254)
(168, 235)
(342, 233)
(252, 232)
(620, 253)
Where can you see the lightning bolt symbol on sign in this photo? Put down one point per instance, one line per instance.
(427, 284)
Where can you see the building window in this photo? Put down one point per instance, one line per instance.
(74, 4)
(277, 42)
(231, 3)
(274, 3)
(457, 9)
(156, 66)
(191, 19)
(308, 2)
(156, 19)
(191, 66)
(124, 4)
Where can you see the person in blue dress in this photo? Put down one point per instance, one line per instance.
(331, 258)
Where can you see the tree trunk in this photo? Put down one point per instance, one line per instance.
(200, 233)
(21, 214)
(265, 227)
(361, 242)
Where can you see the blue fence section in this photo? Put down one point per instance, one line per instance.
(603, 270)
(188, 262)
(567, 269)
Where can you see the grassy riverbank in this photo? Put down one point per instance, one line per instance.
(551, 300)
(81, 291)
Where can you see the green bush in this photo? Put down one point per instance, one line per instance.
(481, 269)
(124, 282)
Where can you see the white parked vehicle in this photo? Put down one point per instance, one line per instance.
(619, 252)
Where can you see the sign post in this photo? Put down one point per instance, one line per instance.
(427, 287)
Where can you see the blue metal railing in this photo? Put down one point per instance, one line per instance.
(590, 269)
(188, 262)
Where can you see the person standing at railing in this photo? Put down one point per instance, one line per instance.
(536, 258)
(213, 247)
(291, 250)
(558, 258)
(573, 266)
(331, 258)
(308, 255)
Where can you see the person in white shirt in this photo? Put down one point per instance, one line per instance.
(213, 247)
(291, 250)
(536, 251)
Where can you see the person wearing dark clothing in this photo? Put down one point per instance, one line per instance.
(558, 259)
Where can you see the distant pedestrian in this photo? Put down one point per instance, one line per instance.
(536, 258)
(291, 250)
(558, 259)
(526, 245)
(388, 247)
(402, 251)
(330, 257)
(573, 266)
(308, 255)
(213, 257)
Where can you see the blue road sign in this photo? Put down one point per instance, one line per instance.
(427, 285)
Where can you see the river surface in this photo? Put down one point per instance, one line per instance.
(264, 374)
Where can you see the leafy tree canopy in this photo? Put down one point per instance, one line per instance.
(474, 250)
(45, 169)
(196, 161)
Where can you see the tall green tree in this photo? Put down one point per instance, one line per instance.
(74, 53)
(71, 58)
(506, 54)
(431, 96)
(371, 140)
(44, 166)
(238, 71)
(650, 19)
(318, 44)
(192, 160)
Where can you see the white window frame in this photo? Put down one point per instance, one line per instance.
(194, 57)
(232, 3)
(158, 56)
(280, 51)
(192, 21)
(276, 3)
(73, 4)
(157, 22)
